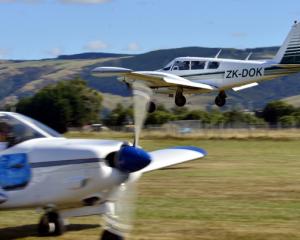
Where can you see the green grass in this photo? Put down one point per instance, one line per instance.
(244, 189)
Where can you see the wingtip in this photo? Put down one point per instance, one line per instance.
(192, 148)
(111, 69)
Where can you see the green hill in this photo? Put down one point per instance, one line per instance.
(23, 78)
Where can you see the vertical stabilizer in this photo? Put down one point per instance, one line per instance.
(289, 52)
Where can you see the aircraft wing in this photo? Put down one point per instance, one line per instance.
(154, 79)
(173, 156)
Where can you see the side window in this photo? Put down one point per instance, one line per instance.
(213, 65)
(15, 172)
(197, 65)
(181, 65)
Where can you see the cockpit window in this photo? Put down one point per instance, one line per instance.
(17, 128)
(181, 65)
(43, 127)
(213, 65)
(197, 65)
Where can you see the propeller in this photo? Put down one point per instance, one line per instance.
(141, 99)
(129, 160)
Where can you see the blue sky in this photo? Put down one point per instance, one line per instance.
(34, 29)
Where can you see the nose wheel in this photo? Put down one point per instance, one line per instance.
(220, 100)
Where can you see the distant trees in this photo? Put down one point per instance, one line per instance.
(73, 104)
(121, 115)
(159, 117)
(68, 103)
(282, 113)
(118, 116)
(273, 111)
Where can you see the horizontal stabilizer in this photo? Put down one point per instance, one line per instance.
(250, 85)
(173, 156)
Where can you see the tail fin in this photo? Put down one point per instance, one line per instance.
(289, 52)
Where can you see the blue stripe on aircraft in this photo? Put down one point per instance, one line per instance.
(202, 74)
(64, 162)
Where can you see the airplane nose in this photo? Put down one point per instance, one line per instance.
(3, 198)
(132, 159)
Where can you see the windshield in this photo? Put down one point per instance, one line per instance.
(42, 126)
(168, 66)
(16, 128)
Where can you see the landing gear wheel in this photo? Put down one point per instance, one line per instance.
(220, 101)
(151, 107)
(107, 235)
(51, 224)
(180, 101)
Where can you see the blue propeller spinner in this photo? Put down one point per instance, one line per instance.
(132, 159)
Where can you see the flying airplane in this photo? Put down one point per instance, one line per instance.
(40, 169)
(195, 75)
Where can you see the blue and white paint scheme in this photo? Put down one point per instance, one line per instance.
(73, 177)
(194, 75)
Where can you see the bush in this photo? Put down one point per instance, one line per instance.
(288, 121)
(273, 111)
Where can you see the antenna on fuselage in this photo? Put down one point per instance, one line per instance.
(217, 55)
(249, 55)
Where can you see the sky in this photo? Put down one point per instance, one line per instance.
(35, 29)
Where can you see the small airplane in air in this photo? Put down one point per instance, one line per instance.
(40, 169)
(195, 75)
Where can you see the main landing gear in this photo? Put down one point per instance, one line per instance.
(180, 100)
(107, 235)
(220, 100)
(151, 107)
(51, 224)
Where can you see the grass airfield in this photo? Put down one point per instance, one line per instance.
(243, 189)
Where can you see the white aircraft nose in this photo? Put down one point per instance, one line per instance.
(3, 198)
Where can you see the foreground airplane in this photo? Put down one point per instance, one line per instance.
(76, 177)
(193, 75)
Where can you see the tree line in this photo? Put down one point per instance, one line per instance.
(276, 113)
(121, 115)
(73, 104)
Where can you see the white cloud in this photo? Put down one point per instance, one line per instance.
(85, 1)
(96, 45)
(3, 52)
(54, 52)
(133, 46)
